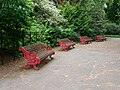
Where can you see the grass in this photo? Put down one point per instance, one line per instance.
(113, 36)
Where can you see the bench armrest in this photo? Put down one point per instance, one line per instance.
(63, 43)
(28, 55)
(89, 38)
(32, 58)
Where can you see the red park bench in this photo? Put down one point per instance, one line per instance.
(85, 39)
(65, 43)
(35, 53)
(100, 38)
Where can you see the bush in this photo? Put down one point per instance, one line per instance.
(51, 34)
(46, 11)
(14, 16)
(112, 29)
(69, 33)
(77, 18)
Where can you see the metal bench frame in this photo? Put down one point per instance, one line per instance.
(100, 38)
(85, 39)
(65, 43)
(35, 53)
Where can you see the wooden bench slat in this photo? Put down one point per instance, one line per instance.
(44, 54)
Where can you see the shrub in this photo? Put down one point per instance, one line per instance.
(51, 34)
(14, 16)
(46, 11)
(69, 33)
(112, 29)
(77, 18)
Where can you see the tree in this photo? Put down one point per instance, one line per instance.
(14, 17)
(97, 13)
(113, 11)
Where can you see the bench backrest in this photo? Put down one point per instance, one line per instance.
(100, 36)
(64, 40)
(85, 37)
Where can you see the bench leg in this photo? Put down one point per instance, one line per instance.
(63, 49)
(89, 41)
(51, 57)
(105, 39)
(66, 49)
(26, 66)
(36, 68)
(73, 46)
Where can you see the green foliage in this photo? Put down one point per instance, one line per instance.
(113, 11)
(113, 36)
(69, 33)
(50, 36)
(41, 20)
(15, 16)
(97, 14)
(45, 33)
(78, 19)
(46, 11)
(49, 27)
(112, 29)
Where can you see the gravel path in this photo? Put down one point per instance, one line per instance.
(93, 66)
